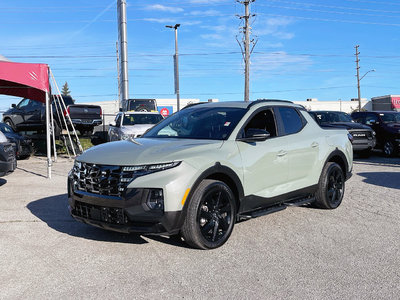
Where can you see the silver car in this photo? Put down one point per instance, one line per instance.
(132, 124)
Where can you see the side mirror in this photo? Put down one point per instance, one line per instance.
(255, 135)
(112, 124)
(13, 105)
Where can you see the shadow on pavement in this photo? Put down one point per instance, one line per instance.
(54, 212)
(385, 179)
(2, 181)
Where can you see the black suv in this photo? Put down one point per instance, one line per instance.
(386, 124)
(363, 136)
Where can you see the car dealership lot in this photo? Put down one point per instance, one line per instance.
(350, 252)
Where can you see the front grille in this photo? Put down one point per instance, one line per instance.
(109, 215)
(100, 179)
(361, 135)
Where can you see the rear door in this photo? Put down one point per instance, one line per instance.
(303, 147)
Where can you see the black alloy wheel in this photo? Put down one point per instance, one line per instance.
(335, 186)
(210, 215)
(215, 215)
(389, 149)
(330, 187)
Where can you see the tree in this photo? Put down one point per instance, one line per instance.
(65, 90)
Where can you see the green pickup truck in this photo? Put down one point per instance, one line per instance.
(211, 164)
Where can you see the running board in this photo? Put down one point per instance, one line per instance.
(260, 212)
(276, 208)
(300, 202)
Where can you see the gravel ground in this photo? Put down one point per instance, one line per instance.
(298, 253)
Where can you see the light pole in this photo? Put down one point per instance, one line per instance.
(358, 86)
(176, 69)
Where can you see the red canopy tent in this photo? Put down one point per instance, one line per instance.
(29, 81)
(24, 80)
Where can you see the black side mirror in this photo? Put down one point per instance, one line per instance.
(13, 105)
(255, 135)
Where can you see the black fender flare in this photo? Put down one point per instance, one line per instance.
(217, 169)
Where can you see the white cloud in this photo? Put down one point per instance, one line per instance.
(273, 27)
(159, 7)
(162, 20)
(206, 1)
(279, 61)
(205, 13)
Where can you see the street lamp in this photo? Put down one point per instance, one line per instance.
(358, 86)
(176, 69)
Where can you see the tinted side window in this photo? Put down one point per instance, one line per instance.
(371, 118)
(291, 120)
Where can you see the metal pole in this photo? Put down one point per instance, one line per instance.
(122, 20)
(246, 52)
(48, 142)
(176, 65)
(177, 68)
(358, 78)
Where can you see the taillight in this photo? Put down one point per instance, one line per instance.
(101, 112)
(66, 112)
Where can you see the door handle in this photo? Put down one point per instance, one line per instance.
(281, 153)
(314, 145)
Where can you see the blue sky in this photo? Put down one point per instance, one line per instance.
(305, 49)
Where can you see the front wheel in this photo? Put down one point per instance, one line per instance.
(210, 215)
(330, 187)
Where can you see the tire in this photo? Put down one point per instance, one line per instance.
(210, 215)
(330, 187)
(10, 123)
(389, 149)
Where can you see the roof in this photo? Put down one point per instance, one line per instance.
(245, 105)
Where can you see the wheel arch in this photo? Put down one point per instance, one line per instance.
(339, 157)
(221, 173)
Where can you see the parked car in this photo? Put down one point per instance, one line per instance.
(141, 105)
(386, 124)
(30, 115)
(200, 170)
(23, 144)
(8, 161)
(132, 124)
(363, 136)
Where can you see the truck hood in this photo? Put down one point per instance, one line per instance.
(136, 129)
(147, 151)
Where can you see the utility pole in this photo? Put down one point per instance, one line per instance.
(176, 65)
(119, 75)
(358, 78)
(246, 44)
(123, 43)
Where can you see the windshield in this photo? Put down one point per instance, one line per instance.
(390, 118)
(332, 117)
(214, 123)
(133, 119)
(142, 105)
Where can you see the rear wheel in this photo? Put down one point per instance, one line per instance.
(389, 148)
(210, 215)
(330, 187)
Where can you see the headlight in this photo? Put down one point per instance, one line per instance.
(350, 137)
(140, 170)
(373, 133)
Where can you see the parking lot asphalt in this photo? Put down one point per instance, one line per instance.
(298, 253)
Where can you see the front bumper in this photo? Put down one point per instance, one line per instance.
(364, 144)
(128, 213)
